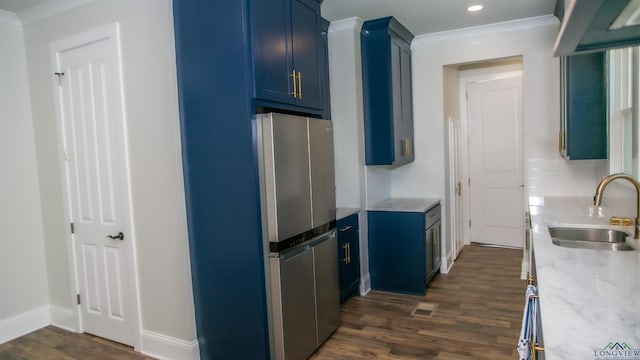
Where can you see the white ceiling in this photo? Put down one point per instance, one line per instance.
(18, 6)
(419, 16)
(428, 16)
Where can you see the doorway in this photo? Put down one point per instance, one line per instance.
(482, 155)
(90, 116)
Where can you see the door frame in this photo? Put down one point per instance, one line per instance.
(499, 71)
(110, 31)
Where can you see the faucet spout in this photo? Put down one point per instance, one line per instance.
(597, 199)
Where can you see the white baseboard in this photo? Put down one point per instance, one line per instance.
(166, 347)
(24, 323)
(63, 318)
(365, 284)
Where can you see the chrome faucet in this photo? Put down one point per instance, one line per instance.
(597, 199)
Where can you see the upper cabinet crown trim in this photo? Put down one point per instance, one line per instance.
(393, 25)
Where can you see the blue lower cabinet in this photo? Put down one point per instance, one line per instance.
(348, 256)
(397, 253)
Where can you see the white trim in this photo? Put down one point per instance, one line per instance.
(24, 323)
(513, 25)
(365, 284)
(7, 17)
(345, 24)
(63, 318)
(161, 346)
(48, 9)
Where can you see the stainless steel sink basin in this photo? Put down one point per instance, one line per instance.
(590, 238)
(588, 234)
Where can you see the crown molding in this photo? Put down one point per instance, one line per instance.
(9, 18)
(513, 25)
(48, 9)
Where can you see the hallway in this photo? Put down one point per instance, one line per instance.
(478, 313)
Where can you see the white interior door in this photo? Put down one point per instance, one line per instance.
(495, 161)
(457, 232)
(91, 112)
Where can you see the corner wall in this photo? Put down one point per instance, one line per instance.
(23, 267)
(151, 109)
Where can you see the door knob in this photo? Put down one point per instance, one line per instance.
(119, 236)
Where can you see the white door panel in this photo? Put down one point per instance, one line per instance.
(92, 118)
(495, 161)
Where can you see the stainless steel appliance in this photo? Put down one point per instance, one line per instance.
(295, 156)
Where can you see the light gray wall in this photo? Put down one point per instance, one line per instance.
(151, 108)
(23, 272)
(546, 172)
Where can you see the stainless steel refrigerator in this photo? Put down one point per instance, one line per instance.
(297, 190)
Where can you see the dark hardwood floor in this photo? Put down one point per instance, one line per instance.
(474, 312)
(478, 310)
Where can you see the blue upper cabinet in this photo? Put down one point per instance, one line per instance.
(287, 49)
(387, 93)
(583, 133)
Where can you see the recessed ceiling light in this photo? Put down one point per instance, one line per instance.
(474, 8)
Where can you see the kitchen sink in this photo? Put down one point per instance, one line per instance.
(590, 238)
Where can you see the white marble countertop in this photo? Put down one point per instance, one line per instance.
(588, 298)
(343, 212)
(404, 204)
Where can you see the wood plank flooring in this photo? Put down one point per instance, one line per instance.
(478, 314)
(52, 343)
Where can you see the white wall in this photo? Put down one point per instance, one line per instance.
(451, 108)
(151, 107)
(546, 173)
(347, 115)
(23, 272)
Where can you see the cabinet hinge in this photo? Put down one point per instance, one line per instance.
(469, 181)
(469, 222)
(78, 299)
(73, 228)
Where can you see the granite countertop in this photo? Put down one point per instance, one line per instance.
(588, 298)
(404, 204)
(343, 212)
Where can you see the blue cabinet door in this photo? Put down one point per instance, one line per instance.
(305, 23)
(285, 36)
(272, 51)
(406, 94)
(348, 255)
(585, 106)
(397, 253)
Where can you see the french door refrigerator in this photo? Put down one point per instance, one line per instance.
(297, 191)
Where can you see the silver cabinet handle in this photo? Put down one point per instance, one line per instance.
(346, 228)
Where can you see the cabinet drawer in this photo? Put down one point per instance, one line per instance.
(347, 225)
(432, 216)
